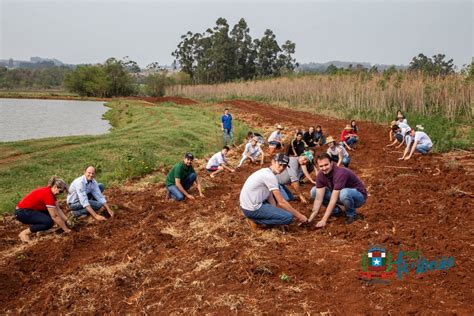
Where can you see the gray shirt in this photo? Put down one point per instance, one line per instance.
(291, 173)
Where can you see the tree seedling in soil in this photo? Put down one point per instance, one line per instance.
(284, 277)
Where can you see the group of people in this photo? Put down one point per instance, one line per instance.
(401, 133)
(265, 195)
(40, 208)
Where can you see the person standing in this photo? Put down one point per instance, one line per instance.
(40, 210)
(226, 125)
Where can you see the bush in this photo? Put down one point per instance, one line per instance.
(135, 164)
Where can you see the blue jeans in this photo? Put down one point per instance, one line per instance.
(350, 198)
(38, 220)
(345, 160)
(268, 214)
(351, 141)
(423, 149)
(78, 210)
(186, 183)
(286, 193)
(231, 136)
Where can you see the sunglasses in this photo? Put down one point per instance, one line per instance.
(60, 191)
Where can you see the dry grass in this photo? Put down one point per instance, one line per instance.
(450, 96)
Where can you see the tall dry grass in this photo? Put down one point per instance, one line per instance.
(450, 97)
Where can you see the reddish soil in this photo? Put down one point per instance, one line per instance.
(159, 256)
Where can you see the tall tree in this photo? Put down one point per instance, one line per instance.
(267, 54)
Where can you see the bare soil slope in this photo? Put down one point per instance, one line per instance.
(160, 256)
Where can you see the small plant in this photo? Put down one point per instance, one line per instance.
(284, 277)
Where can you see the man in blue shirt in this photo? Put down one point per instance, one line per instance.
(85, 196)
(226, 124)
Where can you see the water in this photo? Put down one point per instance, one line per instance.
(22, 119)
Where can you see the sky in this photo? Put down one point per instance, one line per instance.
(375, 31)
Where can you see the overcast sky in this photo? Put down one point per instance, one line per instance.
(377, 31)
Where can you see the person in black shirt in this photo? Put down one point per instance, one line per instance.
(309, 137)
(297, 146)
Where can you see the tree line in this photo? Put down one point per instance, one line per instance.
(222, 54)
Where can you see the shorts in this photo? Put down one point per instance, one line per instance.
(213, 168)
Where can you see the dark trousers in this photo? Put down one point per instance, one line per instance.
(38, 220)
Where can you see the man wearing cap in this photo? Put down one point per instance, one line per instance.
(180, 179)
(85, 196)
(291, 176)
(337, 152)
(260, 197)
(348, 137)
(336, 187)
(226, 125)
(275, 140)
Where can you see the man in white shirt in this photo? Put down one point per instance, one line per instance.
(260, 197)
(275, 140)
(85, 196)
(218, 162)
(252, 151)
(419, 141)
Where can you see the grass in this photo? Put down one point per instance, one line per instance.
(442, 105)
(144, 137)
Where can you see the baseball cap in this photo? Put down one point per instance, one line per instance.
(282, 159)
(189, 156)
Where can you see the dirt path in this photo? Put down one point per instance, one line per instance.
(159, 256)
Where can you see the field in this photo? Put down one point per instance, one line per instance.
(162, 257)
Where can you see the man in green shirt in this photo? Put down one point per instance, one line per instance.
(180, 179)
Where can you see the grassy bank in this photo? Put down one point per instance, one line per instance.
(144, 137)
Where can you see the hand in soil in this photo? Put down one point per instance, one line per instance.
(100, 218)
(321, 224)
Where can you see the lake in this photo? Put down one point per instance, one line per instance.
(22, 119)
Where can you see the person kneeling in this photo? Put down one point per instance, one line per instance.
(338, 153)
(40, 209)
(85, 196)
(218, 162)
(180, 179)
(252, 151)
(336, 187)
(260, 198)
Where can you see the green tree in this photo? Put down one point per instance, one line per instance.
(88, 81)
(267, 54)
(120, 83)
(244, 51)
